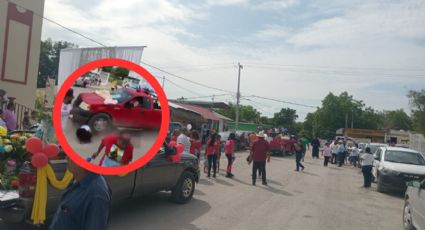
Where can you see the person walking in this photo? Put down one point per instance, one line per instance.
(229, 150)
(341, 154)
(195, 144)
(315, 144)
(298, 156)
(305, 145)
(367, 163)
(334, 150)
(211, 153)
(259, 154)
(326, 153)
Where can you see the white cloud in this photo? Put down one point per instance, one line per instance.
(364, 36)
(275, 5)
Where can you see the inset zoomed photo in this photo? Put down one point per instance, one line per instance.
(111, 116)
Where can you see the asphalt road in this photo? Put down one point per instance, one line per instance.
(141, 139)
(318, 198)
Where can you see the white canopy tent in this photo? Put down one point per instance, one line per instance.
(71, 59)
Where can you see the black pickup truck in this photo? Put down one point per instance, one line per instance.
(158, 175)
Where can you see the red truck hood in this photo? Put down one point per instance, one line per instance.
(92, 98)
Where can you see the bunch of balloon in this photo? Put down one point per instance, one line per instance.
(40, 160)
(179, 150)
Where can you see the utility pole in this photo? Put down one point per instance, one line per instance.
(163, 82)
(238, 95)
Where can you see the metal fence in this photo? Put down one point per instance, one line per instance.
(417, 142)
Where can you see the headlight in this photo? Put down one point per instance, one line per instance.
(390, 172)
(84, 106)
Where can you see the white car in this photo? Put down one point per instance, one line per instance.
(394, 166)
(414, 206)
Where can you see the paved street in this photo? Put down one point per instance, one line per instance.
(141, 139)
(319, 198)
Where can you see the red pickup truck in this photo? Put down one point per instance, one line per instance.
(127, 107)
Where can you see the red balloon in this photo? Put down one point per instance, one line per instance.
(180, 148)
(34, 145)
(39, 160)
(172, 144)
(51, 150)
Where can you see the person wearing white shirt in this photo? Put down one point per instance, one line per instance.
(334, 150)
(367, 164)
(66, 107)
(184, 140)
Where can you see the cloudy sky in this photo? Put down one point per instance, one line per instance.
(291, 50)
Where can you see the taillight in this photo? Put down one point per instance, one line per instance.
(27, 181)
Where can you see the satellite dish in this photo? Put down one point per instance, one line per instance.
(189, 127)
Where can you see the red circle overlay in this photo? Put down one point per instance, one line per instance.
(162, 132)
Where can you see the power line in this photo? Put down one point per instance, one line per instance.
(282, 101)
(188, 80)
(181, 87)
(209, 96)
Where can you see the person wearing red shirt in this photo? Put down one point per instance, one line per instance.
(230, 153)
(211, 153)
(259, 154)
(218, 149)
(118, 149)
(195, 144)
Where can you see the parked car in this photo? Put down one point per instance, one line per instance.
(132, 109)
(82, 82)
(414, 206)
(394, 166)
(159, 174)
(374, 146)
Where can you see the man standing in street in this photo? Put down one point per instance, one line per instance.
(367, 164)
(334, 150)
(85, 204)
(315, 144)
(259, 154)
(305, 145)
(184, 140)
(341, 154)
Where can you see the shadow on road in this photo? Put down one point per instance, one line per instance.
(309, 173)
(223, 182)
(205, 182)
(157, 212)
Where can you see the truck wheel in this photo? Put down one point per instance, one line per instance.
(100, 122)
(407, 216)
(184, 189)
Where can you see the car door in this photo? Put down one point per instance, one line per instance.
(418, 206)
(129, 113)
(121, 186)
(378, 159)
(158, 174)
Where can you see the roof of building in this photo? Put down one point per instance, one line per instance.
(205, 113)
(205, 104)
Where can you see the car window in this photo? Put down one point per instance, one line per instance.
(378, 154)
(120, 95)
(404, 157)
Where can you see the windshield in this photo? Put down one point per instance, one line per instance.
(373, 148)
(404, 157)
(120, 95)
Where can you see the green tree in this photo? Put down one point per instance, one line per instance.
(120, 72)
(247, 113)
(396, 119)
(286, 117)
(337, 112)
(49, 59)
(417, 103)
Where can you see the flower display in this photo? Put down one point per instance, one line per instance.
(12, 155)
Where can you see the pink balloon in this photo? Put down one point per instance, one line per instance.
(34, 145)
(180, 148)
(172, 144)
(39, 160)
(51, 150)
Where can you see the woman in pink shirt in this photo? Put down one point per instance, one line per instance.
(230, 153)
(326, 152)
